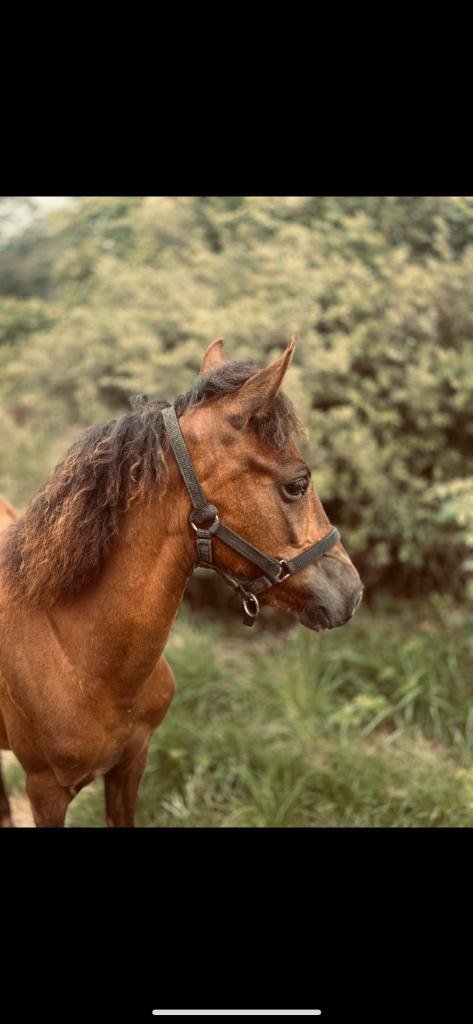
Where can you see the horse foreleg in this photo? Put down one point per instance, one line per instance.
(5, 815)
(49, 801)
(121, 790)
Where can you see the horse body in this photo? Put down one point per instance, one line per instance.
(83, 679)
(73, 710)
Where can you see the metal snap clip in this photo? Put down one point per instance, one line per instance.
(284, 571)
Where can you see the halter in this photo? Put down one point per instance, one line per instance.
(206, 523)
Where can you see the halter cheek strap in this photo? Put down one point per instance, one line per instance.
(205, 521)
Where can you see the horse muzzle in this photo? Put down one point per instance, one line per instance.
(334, 598)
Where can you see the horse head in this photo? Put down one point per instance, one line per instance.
(241, 441)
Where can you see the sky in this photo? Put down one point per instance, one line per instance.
(20, 217)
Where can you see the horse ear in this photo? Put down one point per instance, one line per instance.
(256, 396)
(213, 356)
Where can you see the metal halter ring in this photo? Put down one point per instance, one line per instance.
(246, 602)
(210, 529)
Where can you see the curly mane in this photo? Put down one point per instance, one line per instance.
(59, 545)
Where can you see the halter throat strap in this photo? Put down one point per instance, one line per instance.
(205, 521)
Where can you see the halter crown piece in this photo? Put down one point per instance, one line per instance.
(206, 523)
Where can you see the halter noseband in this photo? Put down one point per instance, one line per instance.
(206, 523)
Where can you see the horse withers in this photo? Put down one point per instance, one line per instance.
(93, 575)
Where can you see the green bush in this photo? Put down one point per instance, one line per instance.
(120, 294)
(344, 729)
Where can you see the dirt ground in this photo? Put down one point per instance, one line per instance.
(19, 804)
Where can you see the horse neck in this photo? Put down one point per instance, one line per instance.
(116, 630)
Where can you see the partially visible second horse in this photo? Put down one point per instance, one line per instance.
(8, 515)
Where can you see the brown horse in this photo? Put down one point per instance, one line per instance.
(93, 575)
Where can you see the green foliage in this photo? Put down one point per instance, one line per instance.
(371, 725)
(368, 726)
(454, 506)
(113, 295)
(344, 729)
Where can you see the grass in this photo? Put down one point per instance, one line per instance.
(369, 725)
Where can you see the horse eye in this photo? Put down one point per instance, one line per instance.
(297, 488)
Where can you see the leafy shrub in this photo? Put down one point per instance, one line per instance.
(378, 290)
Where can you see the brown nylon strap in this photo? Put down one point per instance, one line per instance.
(205, 521)
(271, 566)
(313, 553)
(183, 459)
